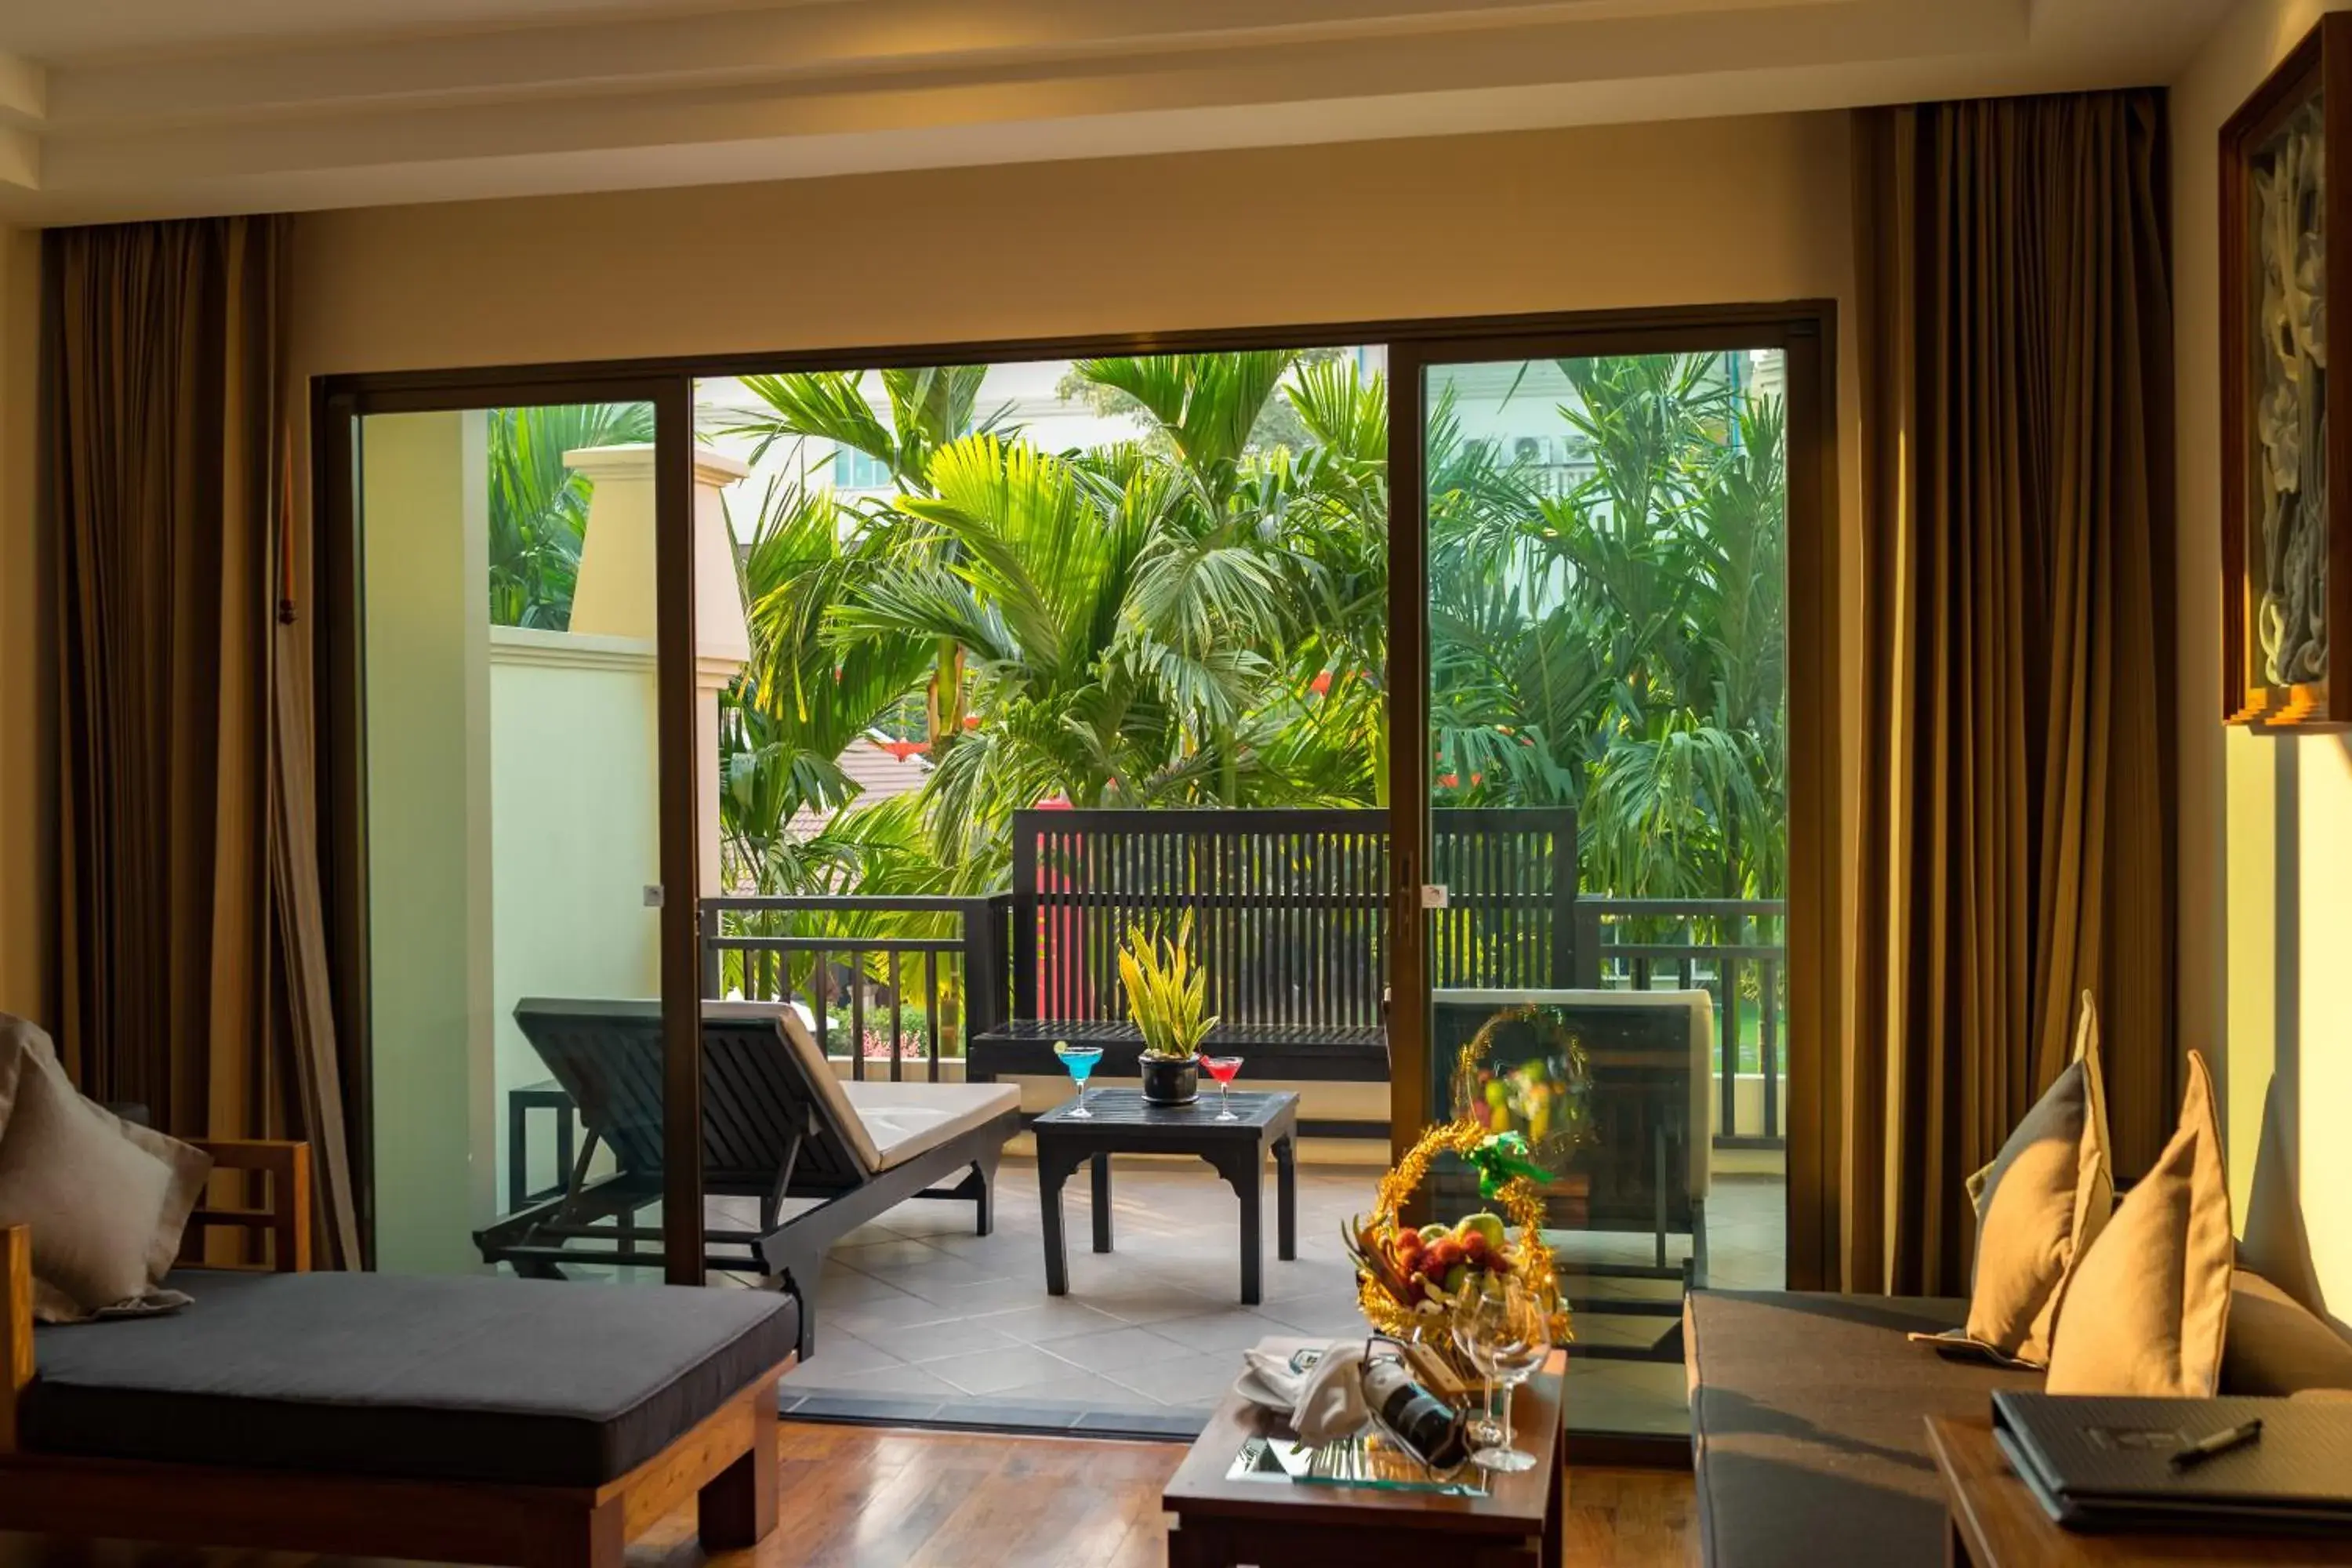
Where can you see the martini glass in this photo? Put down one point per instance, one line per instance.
(1080, 1060)
(1224, 1069)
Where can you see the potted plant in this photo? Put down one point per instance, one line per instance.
(1166, 992)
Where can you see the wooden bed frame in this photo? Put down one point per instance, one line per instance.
(728, 1463)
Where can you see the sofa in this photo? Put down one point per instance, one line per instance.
(1809, 1435)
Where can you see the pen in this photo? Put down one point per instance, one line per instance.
(2221, 1442)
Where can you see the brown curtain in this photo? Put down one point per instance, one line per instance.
(192, 977)
(2017, 755)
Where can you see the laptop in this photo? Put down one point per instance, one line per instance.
(2107, 1463)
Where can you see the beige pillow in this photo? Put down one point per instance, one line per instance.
(2149, 1308)
(2277, 1346)
(106, 1201)
(2040, 1205)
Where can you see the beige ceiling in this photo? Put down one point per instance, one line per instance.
(112, 109)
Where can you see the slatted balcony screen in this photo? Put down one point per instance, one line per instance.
(1289, 908)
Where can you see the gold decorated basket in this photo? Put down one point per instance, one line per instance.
(1394, 1285)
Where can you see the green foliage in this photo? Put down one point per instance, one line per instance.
(1200, 616)
(539, 508)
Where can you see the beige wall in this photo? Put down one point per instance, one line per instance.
(1585, 218)
(27, 673)
(2266, 823)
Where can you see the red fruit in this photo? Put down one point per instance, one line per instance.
(1409, 1240)
(1440, 1259)
(1476, 1249)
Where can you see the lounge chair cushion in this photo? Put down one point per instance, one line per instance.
(904, 1119)
(521, 1382)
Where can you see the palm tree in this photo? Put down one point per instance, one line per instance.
(1620, 646)
(803, 699)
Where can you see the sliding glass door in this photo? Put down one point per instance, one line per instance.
(1599, 939)
(529, 839)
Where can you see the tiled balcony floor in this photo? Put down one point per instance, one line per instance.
(915, 1310)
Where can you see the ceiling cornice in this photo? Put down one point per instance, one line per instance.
(854, 85)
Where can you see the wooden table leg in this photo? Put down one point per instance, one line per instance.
(1285, 1199)
(1555, 1541)
(1052, 1170)
(1193, 1547)
(1251, 1189)
(1102, 1203)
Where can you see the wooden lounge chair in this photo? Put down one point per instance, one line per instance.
(776, 1126)
(466, 1418)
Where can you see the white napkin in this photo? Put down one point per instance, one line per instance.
(1325, 1403)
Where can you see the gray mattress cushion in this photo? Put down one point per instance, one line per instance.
(527, 1381)
(1809, 1425)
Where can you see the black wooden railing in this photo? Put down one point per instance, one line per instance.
(1734, 949)
(859, 961)
(899, 980)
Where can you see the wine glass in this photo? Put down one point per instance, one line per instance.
(1080, 1060)
(1483, 1431)
(1510, 1337)
(1222, 1069)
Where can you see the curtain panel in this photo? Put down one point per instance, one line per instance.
(2018, 759)
(192, 976)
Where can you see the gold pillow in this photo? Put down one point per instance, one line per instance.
(2148, 1313)
(106, 1200)
(2040, 1205)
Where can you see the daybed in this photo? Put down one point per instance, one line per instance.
(469, 1419)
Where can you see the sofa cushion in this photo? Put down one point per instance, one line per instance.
(2040, 1206)
(1808, 1425)
(2276, 1345)
(2149, 1308)
(542, 1383)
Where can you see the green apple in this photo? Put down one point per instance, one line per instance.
(1489, 1226)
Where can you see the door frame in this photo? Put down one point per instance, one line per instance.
(1806, 329)
(337, 408)
(1805, 333)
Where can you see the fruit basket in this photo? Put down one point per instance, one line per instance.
(1410, 1279)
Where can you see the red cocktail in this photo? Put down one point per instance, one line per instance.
(1222, 1069)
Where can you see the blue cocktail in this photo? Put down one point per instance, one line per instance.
(1080, 1060)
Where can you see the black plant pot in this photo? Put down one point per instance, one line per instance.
(1170, 1081)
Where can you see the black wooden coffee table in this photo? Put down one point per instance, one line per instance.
(1122, 1124)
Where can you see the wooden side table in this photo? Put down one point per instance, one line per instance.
(1120, 1122)
(1222, 1523)
(1994, 1522)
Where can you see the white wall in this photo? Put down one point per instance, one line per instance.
(425, 574)
(574, 841)
(2266, 822)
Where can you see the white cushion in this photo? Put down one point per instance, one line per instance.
(887, 1123)
(906, 1118)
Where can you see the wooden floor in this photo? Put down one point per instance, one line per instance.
(859, 1498)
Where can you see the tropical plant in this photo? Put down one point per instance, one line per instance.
(1200, 617)
(1167, 992)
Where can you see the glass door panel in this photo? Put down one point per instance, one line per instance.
(514, 827)
(1606, 698)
